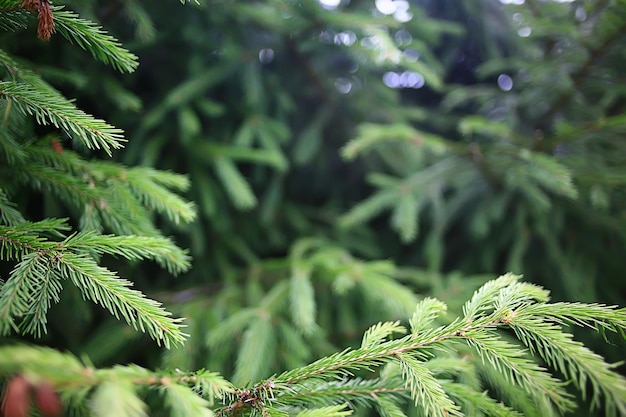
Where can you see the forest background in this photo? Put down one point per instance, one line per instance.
(340, 161)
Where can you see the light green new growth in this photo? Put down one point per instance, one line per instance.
(422, 365)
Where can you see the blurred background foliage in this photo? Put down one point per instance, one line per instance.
(350, 157)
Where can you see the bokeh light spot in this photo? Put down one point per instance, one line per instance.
(505, 82)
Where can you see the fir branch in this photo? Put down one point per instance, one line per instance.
(210, 385)
(104, 287)
(510, 360)
(19, 292)
(302, 299)
(12, 20)
(573, 359)
(94, 39)
(184, 402)
(226, 330)
(257, 352)
(425, 313)
(357, 391)
(380, 331)
(235, 184)
(47, 289)
(483, 297)
(48, 106)
(514, 395)
(388, 408)
(330, 411)
(118, 399)
(162, 250)
(480, 400)
(122, 213)
(9, 214)
(65, 371)
(599, 316)
(66, 186)
(45, 362)
(426, 391)
(16, 240)
(150, 185)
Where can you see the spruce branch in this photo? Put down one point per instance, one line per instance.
(302, 299)
(161, 250)
(573, 359)
(17, 240)
(480, 400)
(36, 279)
(94, 39)
(330, 411)
(496, 305)
(380, 331)
(328, 385)
(104, 287)
(9, 214)
(119, 399)
(184, 402)
(151, 187)
(48, 106)
(18, 294)
(388, 408)
(510, 361)
(356, 391)
(425, 390)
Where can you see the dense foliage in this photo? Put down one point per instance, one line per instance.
(347, 161)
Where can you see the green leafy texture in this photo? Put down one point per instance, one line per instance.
(371, 135)
(330, 411)
(480, 400)
(404, 217)
(257, 352)
(35, 282)
(228, 328)
(482, 299)
(514, 395)
(388, 408)
(162, 250)
(425, 313)
(511, 361)
(384, 290)
(572, 358)
(109, 194)
(28, 283)
(22, 238)
(235, 184)
(302, 298)
(66, 186)
(183, 402)
(150, 187)
(119, 399)
(114, 389)
(381, 331)
(210, 385)
(104, 287)
(329, 381)
(356, 391)
(426, 391)
(48, 106)
(94, 39)
(9, 214)
(47, 291)
(13, 19)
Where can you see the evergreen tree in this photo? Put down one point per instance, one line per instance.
(257, 101)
